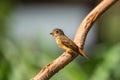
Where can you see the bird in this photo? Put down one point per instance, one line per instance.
(66, 43)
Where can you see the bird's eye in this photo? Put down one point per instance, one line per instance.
(57, 31)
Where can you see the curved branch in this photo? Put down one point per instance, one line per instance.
(49, 70)
(90, 19)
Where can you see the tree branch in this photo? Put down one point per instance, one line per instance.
(49, 70)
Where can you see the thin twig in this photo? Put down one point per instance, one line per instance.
(49, 70)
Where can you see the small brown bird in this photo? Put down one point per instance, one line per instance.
(65, 43)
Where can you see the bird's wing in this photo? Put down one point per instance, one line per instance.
(69, 43)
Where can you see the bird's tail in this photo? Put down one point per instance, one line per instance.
(83, 54)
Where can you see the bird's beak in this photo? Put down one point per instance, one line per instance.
(51, 33)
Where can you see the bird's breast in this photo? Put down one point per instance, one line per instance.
(61, 45)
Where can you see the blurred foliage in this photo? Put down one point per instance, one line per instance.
(5, 67)
(110, 25)
(23, 61)
(5, 8)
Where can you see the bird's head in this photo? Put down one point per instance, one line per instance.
(57, 32)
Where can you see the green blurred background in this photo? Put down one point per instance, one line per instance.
(26, 46)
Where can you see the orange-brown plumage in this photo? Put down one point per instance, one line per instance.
(65, 43)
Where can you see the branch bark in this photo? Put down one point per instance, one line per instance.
(49, 70)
